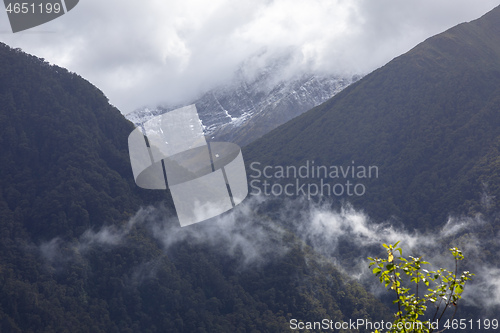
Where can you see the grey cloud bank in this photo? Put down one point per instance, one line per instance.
(150, 53)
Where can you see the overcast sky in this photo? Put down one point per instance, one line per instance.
(167, 51)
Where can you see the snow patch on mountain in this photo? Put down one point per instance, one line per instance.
(249, 107)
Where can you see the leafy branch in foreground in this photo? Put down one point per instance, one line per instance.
(443, 288)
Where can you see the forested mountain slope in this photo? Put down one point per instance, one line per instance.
(429, 120)
(77, 254)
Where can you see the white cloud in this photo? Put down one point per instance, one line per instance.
(151, 52)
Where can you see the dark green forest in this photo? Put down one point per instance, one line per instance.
(83, 249)
(65, 172)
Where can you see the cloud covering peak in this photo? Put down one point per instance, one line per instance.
(147, 53)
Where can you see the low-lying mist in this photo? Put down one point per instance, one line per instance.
(254, 234)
